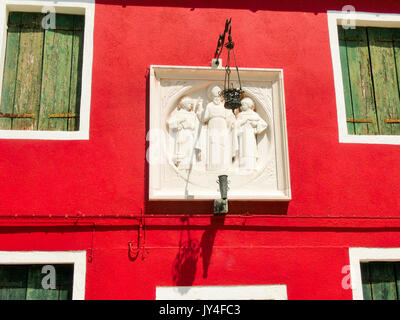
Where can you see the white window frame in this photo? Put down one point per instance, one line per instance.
(358, 255)
(77, 258)
(86, 7)
(253, 292)
(362, 19)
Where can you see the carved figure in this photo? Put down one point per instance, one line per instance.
(183, 121)
(219, 123)
(248, 125)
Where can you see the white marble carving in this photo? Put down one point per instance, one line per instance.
(218, 123)
(247, 126)
(183, 122)
(193, 138)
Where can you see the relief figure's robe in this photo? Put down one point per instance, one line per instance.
(219, 136)
(248, 125)
(184, 123)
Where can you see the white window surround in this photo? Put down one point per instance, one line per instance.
(358, 255)
(77, 258)
(253, 292)
(84, 7)
(362, 19)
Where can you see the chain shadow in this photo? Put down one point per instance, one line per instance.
(185, 263)
(191, 250)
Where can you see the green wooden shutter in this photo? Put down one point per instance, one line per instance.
(76, 73)
(366, 285)
(34, 289)
(383, 284)
(27, 88)
(361, 92)
(42, 74)
(22, 72)
(370, 59)
(396, 49)
(61, 72)
(346, 81)
(64, 282)
(381, 280)
(24, 282)
(385, 78)
(13, 282)
(10, 70)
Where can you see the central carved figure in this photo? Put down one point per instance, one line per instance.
(212, 138)
(219, 123)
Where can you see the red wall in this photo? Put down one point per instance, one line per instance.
(107, 175)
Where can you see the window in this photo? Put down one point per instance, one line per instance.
(21, 275)
(46, 73)
(24, 282)
(370, 59)
(375, 273)
(366, 69)
(381, 280)
(42, 73)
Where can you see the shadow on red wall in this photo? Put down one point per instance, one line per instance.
(191, 250)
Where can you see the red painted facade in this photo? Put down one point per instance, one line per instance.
(343, 195)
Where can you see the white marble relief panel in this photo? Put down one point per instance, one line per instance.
(203, 139)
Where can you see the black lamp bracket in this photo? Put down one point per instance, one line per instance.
(231, 95)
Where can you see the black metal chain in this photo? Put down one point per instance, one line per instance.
(230, 45)
(221, 39)
(231, 95)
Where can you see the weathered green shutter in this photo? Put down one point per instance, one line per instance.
(13, 282)
(34, 289)
(361, 85)
(62, 65)
(381, 280)
(10, 71)
(27, 89)
(366, 285)
(346, 81)
(42, 74)
(76, 73)
(396, 48)
(22, 72)
(370, 59)
(24, 282)
(64, 282)
(385, 79)
(383, 283)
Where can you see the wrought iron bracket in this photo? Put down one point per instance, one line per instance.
(231, 95)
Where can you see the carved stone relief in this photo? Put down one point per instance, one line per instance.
(204, 139)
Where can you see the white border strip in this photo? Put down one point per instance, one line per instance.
(358, 255)
(78, 258)
(256, 292)
(66, 6)
(362, 19)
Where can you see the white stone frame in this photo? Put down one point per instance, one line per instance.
(362, 19)
(187, 73)
(252, 292)
(358, 255)
(83, 7)
(77, 258)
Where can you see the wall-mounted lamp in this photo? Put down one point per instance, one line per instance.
(231, 95)
(221, 205)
